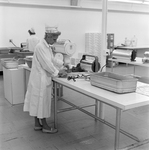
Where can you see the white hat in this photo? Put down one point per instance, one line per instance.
(32, 30)
(53, 30)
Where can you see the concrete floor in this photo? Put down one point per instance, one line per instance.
(77, 131)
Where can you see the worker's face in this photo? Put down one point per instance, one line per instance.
(51, 38)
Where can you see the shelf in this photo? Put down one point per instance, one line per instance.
(137, 62)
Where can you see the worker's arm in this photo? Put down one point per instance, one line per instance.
(57, 63)
(45, 61)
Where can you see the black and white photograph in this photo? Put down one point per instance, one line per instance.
(74, 74)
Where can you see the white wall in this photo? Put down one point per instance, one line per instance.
(127, 25)
(15, 21)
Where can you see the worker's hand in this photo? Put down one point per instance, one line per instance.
(62, 73)
(68, 70)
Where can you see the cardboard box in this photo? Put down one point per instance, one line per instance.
(14, 85)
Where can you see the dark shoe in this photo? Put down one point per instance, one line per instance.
(37, 128)
(52, 130)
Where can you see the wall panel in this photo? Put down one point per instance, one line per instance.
(15, 20)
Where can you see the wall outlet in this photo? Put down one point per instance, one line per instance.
(10, 40)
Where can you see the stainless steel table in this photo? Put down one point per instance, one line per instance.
(137, 62)
(121, 102)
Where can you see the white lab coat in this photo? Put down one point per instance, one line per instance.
(31, 42)
(38, 96)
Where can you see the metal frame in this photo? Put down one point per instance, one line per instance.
(118, 116)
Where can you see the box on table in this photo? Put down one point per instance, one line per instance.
(14, 85)
(114, 82)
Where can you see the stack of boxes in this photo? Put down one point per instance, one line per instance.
(93, 44)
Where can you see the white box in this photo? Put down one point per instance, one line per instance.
(14, 85)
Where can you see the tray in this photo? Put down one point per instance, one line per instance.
(114, 82)
(10, 64)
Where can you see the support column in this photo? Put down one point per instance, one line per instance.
(103, 46)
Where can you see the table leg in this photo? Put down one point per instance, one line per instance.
(101, 110)
(96, 108)
(61, 90)
(134, 70)
(117, 129)
(55, 104)
(112, 66)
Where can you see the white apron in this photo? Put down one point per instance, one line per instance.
(38, 96)
(32, 41)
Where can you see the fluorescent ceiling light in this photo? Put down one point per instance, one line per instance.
(146, 3)
(132, 1)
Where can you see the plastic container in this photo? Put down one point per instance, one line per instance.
(10, 64)
(114, 82)
(134, 41)
(128, 42)
(6, 59)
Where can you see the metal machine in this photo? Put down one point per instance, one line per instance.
(145, 59)
(124, 54)
(64, 49)
(67, 49)
(90, 63)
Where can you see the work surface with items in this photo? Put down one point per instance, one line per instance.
(118, 101)
(122, 101)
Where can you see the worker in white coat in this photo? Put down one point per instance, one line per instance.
(32, 40)
(38, 97)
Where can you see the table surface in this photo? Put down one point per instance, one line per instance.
(9, 48)
(137, 62)
(133, 48)
(23, 52)
(123, 101)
